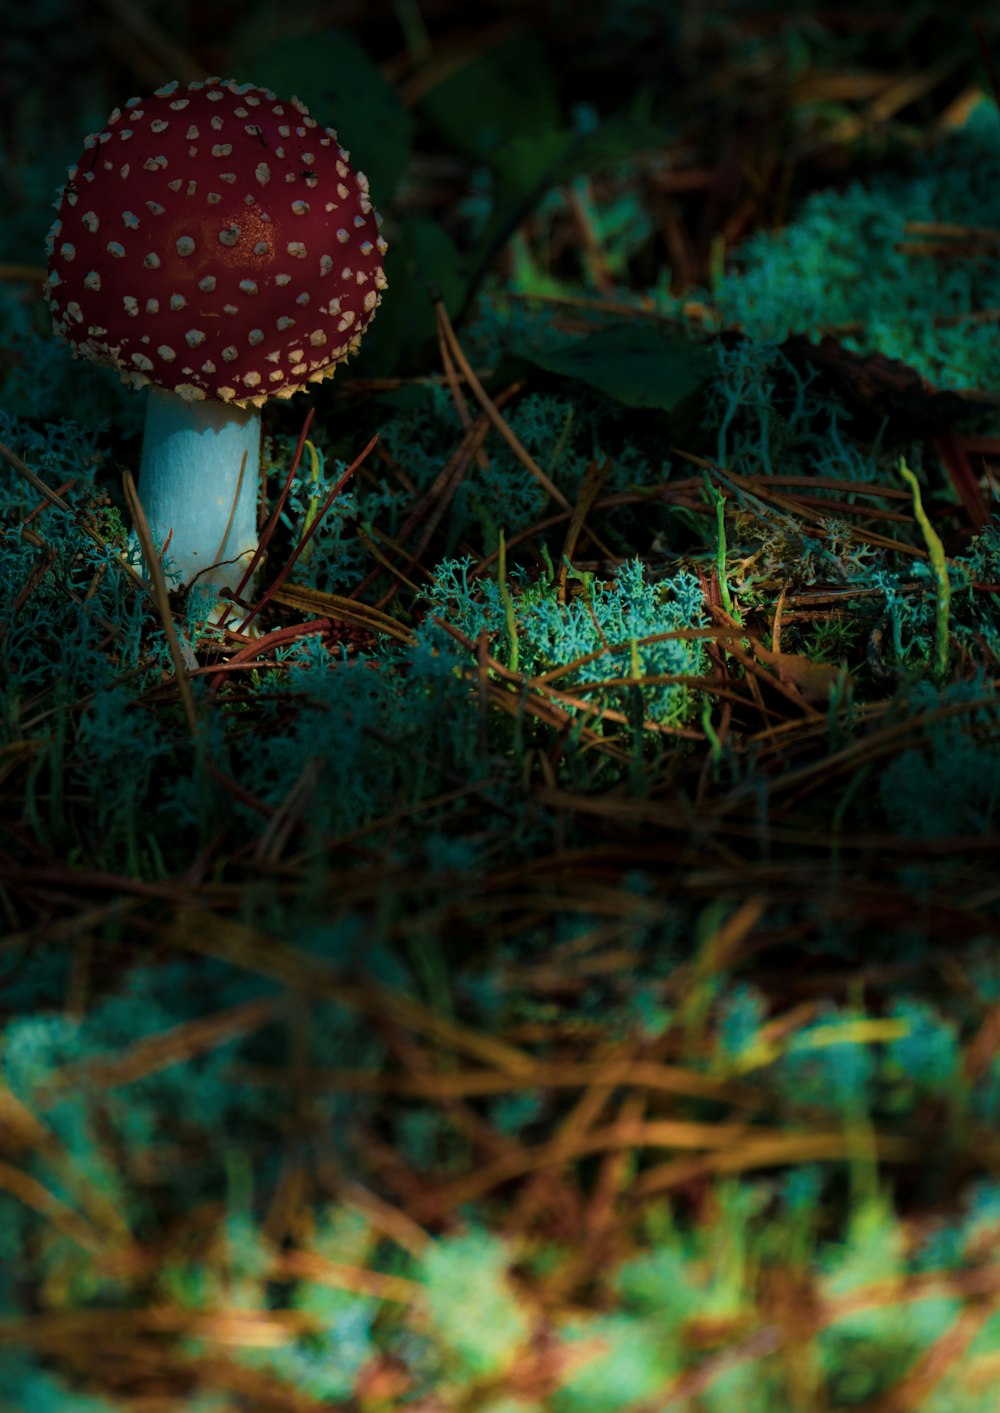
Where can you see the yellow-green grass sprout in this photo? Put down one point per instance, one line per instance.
(939, 565)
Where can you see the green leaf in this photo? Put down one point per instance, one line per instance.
(501, 94)
(637, 364)
(343, 89)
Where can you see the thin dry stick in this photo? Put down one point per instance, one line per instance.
(29, 1192)
(618, 1072)
(258, 649)
(454, 384)
(389, 1220)
(195, 930)
(516, 702)
(20, 1124)
(471, 448)
(87, 525)
(157, 1052)
(444, 487)
(592, 483)
(287, 568)
(155, 571)
(726, 1147)
(430, 508)
(272, 522)
(12, 271)
(369, 543)
(347, 610)
(310, 1266)
(486, 403)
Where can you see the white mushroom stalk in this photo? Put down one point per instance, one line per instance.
(198, 483)
(214, 244)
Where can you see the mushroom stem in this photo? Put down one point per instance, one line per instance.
(195, 486)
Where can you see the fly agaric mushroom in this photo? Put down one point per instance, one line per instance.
(214, 243)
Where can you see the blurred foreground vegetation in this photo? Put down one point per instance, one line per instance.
(554, 965)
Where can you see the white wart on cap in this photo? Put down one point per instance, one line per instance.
(214, 240)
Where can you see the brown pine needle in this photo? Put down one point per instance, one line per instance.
(155, 571)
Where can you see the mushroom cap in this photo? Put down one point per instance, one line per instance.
(214, 240)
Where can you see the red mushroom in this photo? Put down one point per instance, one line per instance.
(213, 242)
